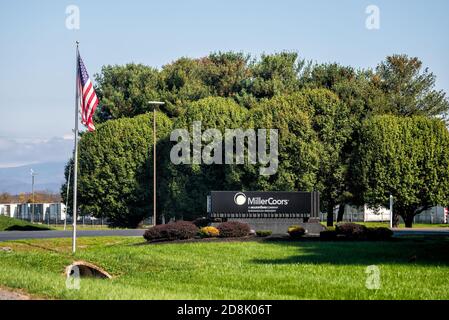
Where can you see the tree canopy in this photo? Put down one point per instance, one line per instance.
(328, 117)
(409, 89)
(115, 165)
(405, 157)
(188, 185)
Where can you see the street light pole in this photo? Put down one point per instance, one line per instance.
(33, 174)
(154, 104)
(67, 198)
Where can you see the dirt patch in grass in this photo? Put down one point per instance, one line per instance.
(16, 294)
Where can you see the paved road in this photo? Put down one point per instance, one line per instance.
(17, 235)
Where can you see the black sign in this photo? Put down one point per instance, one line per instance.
(252, 204)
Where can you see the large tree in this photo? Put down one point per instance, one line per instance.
(186, 80)
(409, 88)
(124, 91)
(334, 126)
(187, 185)
(353, 87)
(299, 147)
(314, 129)
(405, 157)
(359, 99)
(115, 169)
(275, 74)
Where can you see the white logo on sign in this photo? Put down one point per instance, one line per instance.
(240, 199)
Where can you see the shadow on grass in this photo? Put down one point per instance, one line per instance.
(411, 251)
(26, 228)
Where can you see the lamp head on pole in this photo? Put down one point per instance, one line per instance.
(155, 103)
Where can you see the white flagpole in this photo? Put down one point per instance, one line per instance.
(75, 155)
(67, 198)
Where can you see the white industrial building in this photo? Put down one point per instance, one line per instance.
(43, 212)
(437, 214)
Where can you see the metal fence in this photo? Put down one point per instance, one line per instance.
(435, 215)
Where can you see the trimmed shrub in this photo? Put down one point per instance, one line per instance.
(209, 232)
(201, 222)
(351, 230)
(263, 233)
(296, 232)
(233, 229)
(179, 230)
(328, 235)
(379, 234)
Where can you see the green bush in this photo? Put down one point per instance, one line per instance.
(179, 230)
(379, 234)
(201, 222)
(328, 235)
(233, 229)
(263, 233)
(12, 224)
(351, 230)
(296, 232)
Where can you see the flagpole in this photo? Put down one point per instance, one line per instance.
(154, 104)
(67, 198)
(75, 155)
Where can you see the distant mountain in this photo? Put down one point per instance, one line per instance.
(50, 177)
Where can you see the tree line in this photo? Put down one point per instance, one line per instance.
(356, 136)
(39, 197)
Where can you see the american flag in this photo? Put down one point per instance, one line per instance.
(87, 95)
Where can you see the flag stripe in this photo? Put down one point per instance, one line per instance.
(92, 105)
(88, 101)
(88, 98)
(88, 91)
(87, 86)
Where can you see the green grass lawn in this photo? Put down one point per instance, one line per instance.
(11, 224)
(81, 227)
(231, 270)
(427, 225)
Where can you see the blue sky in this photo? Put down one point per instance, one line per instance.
(37, 52)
